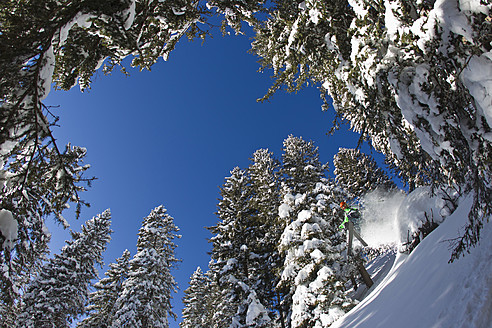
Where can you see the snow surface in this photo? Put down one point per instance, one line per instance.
(477, 77)
(424, 290)
(8, 228)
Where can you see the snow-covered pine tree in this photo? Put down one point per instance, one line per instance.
(314, 271)
(217, 315)
(101, 308)
(41, 181)
(196, 301)
(301, 167)
(237, 11)
(146, 297)
(56, 297)
(408, 75)
(357, 173)
(264, 172)
(235, 238)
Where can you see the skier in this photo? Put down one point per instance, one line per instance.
(351, 214)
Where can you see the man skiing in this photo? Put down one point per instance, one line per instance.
(351, 214)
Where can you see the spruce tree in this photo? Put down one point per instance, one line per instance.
(101, 309)
(39, 182)
(234, 241)
(314, 271)
(301, 166)
(56, 297)
(357, 173)
(196, 301)
(146, 297)
(218, 315)
(264, 172)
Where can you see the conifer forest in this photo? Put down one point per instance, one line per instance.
(413, 78)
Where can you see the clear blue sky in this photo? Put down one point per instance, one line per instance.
(171, 136)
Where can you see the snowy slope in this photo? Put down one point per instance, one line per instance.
(422, 290)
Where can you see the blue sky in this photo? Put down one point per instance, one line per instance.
(171, 136)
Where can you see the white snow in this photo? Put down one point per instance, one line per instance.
(130, 15)
(46, 73)
(477, 77)
(391, 22)
(8, 228)
(304, 215)
(379, 209)
(256, 310)
(390, 216)
(424, 290)
(412, 211)
(284, 210)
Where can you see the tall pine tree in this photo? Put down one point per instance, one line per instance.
(39, 182)
(314, 270)
(234, 242)
(312, 276)
(196, 301)
(146, 297)
(357, 173)
(264, 172)
(56, 297)
(301, 166)
(101, 309)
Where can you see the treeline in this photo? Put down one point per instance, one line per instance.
(136, 291)
(278, 256)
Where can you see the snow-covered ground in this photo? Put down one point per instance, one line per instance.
(422, 290)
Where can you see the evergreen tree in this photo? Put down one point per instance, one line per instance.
(56, 297)
(101, 309)
(403, 74)
(264, 172)
(39, 182)
(146, 297)
(357, 173)
(314, 271)
(235, 267)
(301, 166)
(196, 301)
(218, 315)
(237, 11)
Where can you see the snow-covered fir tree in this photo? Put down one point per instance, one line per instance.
(237, 11)
(40, 181)
(101, 309)
(314, 270)
(264, 172)
(217, 315)
(57, 296)
(235, 267)
(310, 244)
(146, 297)
(408, 75)
(301, 166)
(196, 301)
(357, 173)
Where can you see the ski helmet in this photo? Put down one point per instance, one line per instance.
(343, 205)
